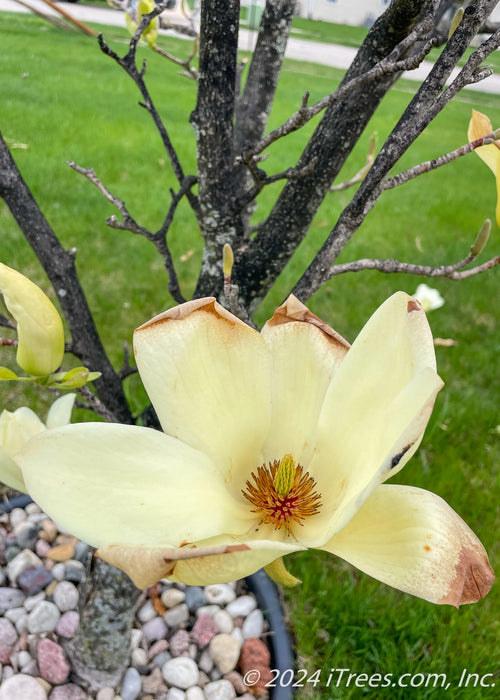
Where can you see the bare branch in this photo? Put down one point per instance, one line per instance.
(96, 405)
(391, 266)
(261, 179)
(127, 369)
(470, 73)
(453, 272)
(386, 66)
(263, 258)
(362, 173)
(128, 63)
(429, 165)
(128, 224)
(426, 104)
(6, 322)
(184, 63)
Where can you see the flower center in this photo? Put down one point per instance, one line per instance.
(282, 494)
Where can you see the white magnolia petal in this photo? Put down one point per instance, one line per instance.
(110, 483)
(383, 392)
(208, 377)
(412, 540)
(10, 473)
(305, 354)
(17, 427)
(217, 560)
(60, 412)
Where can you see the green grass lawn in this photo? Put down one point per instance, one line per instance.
(64, 100)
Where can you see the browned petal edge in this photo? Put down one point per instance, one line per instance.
(473, 577)
(182, 311)
(294, 310)
(414, 305)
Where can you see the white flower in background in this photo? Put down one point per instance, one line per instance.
(429, 298)
(275, 442)
(19, 426)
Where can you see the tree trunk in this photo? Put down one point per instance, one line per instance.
(99, 653)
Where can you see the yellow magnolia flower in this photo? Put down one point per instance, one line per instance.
(19, 426)
(275, 442)
(39, 327)
(134, 15)
(479, 126)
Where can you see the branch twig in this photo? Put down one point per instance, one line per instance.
(130, 224)
(453, 272)
(429, 165)
(390, 64)
(96, 405)
(184, 63)
(362, 173)
(6, 322)
(129, 65)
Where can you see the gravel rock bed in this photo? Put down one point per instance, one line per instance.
(188, 642)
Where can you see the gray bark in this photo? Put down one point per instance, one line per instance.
(100, 650)
(261, 262)
(424, 107)
(212, 120)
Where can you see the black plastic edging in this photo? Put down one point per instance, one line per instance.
(282, 658)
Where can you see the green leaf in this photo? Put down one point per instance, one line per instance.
(6, 374)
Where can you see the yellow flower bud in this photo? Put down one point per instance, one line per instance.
(39, 327)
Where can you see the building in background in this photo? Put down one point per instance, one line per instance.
(362, 13)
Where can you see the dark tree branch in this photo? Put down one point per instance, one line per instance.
(128, 223)
(159, 239)
(6, 322)
(435, 163)
(426, 104)
(212, 120)
(128, 63)
(259, 264)
(59, 265)
(127, 369)
(190, 70)
(393, 266)
(454, 272)
(386, 66)
(261, 179)
(254, 106)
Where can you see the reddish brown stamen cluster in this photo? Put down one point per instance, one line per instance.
(282, 510)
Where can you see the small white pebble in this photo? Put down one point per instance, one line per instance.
(146, 612)
(172, 597)
(17, 516)
(33, 508)
(135, 638)
(138, 657)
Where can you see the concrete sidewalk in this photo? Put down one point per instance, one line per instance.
(299, 49)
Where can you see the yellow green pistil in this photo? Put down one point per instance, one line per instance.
(282, 494)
